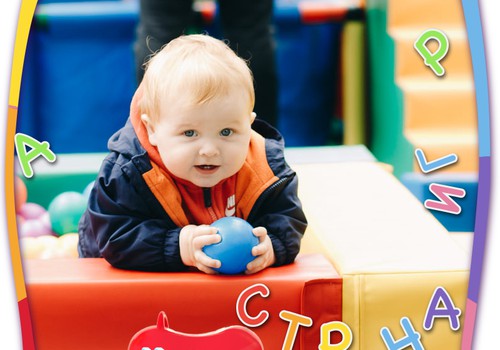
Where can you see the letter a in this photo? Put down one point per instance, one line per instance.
(37, 149)
(448, 311)
(412, 337)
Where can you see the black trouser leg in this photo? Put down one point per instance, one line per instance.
(160, 21)
(248, 27)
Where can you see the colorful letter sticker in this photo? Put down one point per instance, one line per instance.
(431, 59)
(412, 337)
(37, 149)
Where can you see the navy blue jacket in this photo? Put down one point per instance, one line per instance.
(127, 225)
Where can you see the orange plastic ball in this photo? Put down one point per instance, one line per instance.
(20, 193)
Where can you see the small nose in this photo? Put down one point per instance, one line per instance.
(209, 149)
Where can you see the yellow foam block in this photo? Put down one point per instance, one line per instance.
(464, 240)
(374, 301)
(311, 244)
(391, 252)
(370, 222)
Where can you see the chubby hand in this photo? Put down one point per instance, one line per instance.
(191, 241)
(263, 252)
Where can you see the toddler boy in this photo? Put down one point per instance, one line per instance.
(190, 153)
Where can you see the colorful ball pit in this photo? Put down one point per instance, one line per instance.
(49, 233)
(33, 221)
(31, 211)
(49, 246)
(34, 228)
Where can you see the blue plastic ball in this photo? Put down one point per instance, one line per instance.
(234, 251)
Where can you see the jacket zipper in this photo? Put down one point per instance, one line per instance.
(207, 199)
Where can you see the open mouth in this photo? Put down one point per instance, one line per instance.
(206, 168)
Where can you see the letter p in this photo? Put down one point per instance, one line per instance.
(431, 59)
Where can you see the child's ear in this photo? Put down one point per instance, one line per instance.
(146, 120)
(252, 117)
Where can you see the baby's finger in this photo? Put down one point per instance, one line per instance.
(255, 266)
(259, 249)
(259, 231)
(203, 240)
(204, 259)
(205, 269)
(205, 230)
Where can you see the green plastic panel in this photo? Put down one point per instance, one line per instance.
(388, 143)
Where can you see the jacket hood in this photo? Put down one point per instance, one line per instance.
(132, 139)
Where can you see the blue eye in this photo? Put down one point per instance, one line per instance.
(189, 133)
(226, 132)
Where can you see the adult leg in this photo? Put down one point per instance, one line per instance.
(160, 21)
(248, 27)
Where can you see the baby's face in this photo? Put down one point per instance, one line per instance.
(203, 144)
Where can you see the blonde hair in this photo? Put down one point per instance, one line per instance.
(194, 69)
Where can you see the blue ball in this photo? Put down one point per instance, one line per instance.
(234, 251)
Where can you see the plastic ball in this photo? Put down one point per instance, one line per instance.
(42, 247)
(65, 211)
(45, 220)
(234, 251)
(31, 247)
(88, 188)
(34, 228)
(20, 193)
(19, 220)
(31, 211)
(68, 245)
(49, 244)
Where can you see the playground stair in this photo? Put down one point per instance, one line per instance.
(439, 112)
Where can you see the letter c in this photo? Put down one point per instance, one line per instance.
(241, 305)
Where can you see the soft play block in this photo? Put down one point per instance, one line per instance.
(81, 73)
(390, 251)
(453, 103)
(464, 221)
(327, 154)
(377, 300)
(447, 13)
(307, 56)
(87, 304)
(353, 67)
